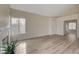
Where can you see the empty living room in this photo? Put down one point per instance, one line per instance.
(39, 28)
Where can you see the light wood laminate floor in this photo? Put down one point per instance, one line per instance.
(54, 44)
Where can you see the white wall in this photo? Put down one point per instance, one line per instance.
(52, 26)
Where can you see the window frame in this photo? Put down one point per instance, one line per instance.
(18, 25)
(72, 25)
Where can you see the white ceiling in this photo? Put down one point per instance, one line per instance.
(52, 10)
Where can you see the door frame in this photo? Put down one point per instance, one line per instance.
(75, 20)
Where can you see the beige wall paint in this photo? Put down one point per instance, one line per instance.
(4, 15)
(36, 25)
(78, 24)
(72, 10)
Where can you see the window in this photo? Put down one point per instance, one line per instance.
(72, 26)
(17, 26)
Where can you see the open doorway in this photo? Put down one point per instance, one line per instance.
(70, 29)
